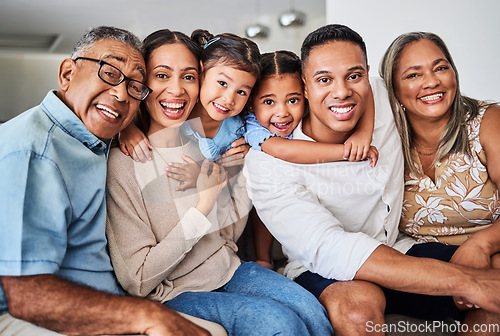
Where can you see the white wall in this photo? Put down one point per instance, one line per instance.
(25, 80)
(469, 28)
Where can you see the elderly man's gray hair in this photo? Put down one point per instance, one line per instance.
(105, 32)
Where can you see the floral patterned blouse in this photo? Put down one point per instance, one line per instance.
(463, 200)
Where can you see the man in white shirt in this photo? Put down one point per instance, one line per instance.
(338, 222)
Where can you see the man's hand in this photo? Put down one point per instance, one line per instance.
(174, 325)
(471, 254)
(62, 306)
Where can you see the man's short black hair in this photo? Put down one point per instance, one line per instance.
(331, 33)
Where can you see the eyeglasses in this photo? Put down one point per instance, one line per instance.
(113, 76)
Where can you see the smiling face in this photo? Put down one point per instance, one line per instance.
(278, 103)
(337, 88)
(225, 91)
(173, 77)
(104, 109)
(425, 83)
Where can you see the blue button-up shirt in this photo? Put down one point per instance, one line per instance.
(52, 198)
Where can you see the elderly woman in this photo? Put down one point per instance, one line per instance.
(451, 152)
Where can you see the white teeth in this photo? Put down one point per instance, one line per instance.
(172, 105)
(221, 107)
(341, 110)
(109, 113)
(281, 124)
(432, 97)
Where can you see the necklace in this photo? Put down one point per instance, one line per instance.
(432, 149)
(422, 146)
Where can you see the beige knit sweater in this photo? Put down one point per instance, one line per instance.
(160, 245)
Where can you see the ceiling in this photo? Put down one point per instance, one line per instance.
(62, 22)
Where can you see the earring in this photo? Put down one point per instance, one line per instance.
(404, 109)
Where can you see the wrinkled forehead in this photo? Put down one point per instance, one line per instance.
(122, 55)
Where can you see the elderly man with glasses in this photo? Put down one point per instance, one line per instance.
(55, 273)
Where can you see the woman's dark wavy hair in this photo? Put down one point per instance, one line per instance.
(228, 49)
(152, 42)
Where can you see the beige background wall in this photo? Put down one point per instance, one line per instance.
(25, 80)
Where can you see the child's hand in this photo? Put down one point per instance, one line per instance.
(209, 185)
(356, 147)
(134, 143)
(186, 173)
(372, 156)
(236, 155)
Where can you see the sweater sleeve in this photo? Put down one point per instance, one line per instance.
(142, 261)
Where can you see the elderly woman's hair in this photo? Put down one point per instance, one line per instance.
(454, 138)
(152, 42)
(105, 32)
(228, 49)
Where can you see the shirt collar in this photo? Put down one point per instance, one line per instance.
(299, 134)
(67, 120)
